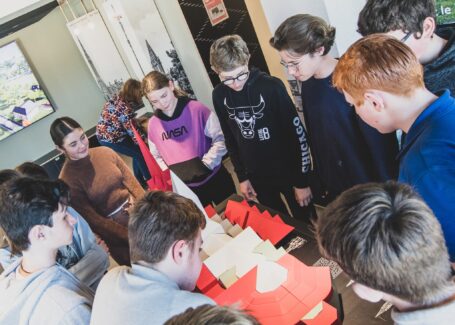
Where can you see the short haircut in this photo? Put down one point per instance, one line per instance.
(382, 16)
(27, 202)
(213, 315)
(228, 53)
(30, 169)
(378, 62)
(61, 127)
(303, 34)
(8, 174)
(385, 237)
(157, 221)
(131, 91)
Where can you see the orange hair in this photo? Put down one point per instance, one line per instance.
(378, 62)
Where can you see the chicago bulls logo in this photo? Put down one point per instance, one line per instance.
(246, 116)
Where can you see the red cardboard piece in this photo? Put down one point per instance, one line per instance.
(210, 210)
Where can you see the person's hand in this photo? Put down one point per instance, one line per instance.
(101, 243)
(247, 190)
(303, 196)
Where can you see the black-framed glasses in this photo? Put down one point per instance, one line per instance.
(405, 37)
(242, 76)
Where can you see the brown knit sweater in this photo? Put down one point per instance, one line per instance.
(99, 184)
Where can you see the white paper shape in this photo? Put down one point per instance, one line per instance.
(270, 276)
(313, 312)
(228, 256)
(214, 242)
(226, 224)
(179, 187)
(245, 262)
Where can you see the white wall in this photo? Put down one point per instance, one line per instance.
(343, 15)
(277, 11)
(52, 52)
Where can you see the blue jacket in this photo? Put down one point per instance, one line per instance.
(427, 162)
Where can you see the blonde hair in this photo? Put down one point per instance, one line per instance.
(228, 53)
(156, 80)
(378, 62)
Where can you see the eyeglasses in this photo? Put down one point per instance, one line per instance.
(242, 76)
(290, 65)
(405, 37)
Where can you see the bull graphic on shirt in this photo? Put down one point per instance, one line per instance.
(246, 116)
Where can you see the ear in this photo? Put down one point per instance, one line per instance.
(178, 251)
(320, 50)
(366, 293)
(429, 26)
(375, 99)
(36, 234)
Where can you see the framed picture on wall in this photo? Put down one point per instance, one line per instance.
(22, 98)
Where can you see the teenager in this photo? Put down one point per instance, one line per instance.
(265, 138)
(102, 186)
(345, 150)
(390, 243)
(185, 136)
(34, 289)
(382, 78)
(165, 241)
(414, 23)
(86, 257)
(114, 128)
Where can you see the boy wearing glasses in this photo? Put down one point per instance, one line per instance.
(264, 136)
(414, 23)
(345, 150)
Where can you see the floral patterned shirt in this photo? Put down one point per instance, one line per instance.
(115, 121)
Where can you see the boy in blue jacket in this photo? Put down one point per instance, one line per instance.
(382, 78)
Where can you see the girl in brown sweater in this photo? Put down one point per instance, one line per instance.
(102, 186)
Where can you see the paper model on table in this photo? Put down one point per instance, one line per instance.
(182, 189)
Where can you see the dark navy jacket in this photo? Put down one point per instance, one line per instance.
(427, 162)
(345, 150)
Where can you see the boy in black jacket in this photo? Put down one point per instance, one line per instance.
(265, 138)
(345, 150)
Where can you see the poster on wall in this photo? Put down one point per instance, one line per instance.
(216, 10)
(99, 52)
(22, 99)
(445, 12)
(142, 36)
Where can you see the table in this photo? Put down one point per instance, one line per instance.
(352, 309)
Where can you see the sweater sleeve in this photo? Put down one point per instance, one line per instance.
(129, 180)
(217, 150)
(156, 154)
(383, 149)
(229, 139)
(296, 138)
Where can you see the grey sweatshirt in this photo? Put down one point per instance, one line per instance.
(140, 295)
(53, 296)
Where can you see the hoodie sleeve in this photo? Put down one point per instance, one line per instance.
(229, 139)
(296, 137)
(216, 152)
